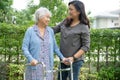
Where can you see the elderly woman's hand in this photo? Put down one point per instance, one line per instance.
(64, 60)
(67, 61)
(34, 62)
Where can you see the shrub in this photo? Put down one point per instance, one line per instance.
(105, 44)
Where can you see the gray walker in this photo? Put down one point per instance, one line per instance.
(51, 71)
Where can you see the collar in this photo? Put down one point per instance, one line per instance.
(35, 27)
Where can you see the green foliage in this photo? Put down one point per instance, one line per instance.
(6, 10)
(10, 71)
(84, 75)
(5, 4)
(4, 70)
(108, 73)
(104, 52)
(16, 70)
(10, 41)
(105, 38)
(105, 73)
(103, 42)
(24, 18)
(91, 19)
(57, 8)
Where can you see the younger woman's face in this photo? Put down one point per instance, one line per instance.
(73, 13)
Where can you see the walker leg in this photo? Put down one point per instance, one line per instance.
(44, 70)
(24, 76)
(60, 73)
(71, 70)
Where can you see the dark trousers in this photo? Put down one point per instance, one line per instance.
(76, 70)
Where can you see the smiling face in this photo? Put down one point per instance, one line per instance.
(45, 19)
(73, 13)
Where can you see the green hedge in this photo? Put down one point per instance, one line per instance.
(105, 43)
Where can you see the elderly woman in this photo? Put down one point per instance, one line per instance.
(39, 45)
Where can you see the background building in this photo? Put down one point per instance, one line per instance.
(106, 20)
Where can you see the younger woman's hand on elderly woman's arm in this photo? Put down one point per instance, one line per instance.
(34, 62)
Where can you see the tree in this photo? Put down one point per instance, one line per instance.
(90, 18)
(57, 7)
(5, 10)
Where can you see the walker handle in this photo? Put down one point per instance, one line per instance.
(29, 64)
(68, 60)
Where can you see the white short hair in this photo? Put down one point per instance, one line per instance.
(42, 11)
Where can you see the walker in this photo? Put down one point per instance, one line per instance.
(51, 71)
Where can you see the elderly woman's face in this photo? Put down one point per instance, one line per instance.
(45, 19)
